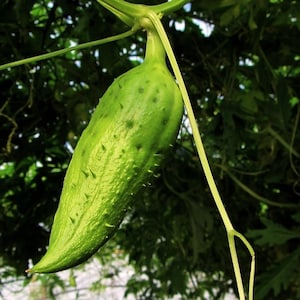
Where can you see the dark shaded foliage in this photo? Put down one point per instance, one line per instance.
(243, 81)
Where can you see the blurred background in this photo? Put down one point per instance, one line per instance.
(240, 60)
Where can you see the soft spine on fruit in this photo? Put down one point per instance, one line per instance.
(134, 124)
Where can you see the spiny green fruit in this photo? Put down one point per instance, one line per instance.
(133, 125)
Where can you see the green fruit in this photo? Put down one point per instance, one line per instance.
(132, 127)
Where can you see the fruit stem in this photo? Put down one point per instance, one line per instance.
(155, 51)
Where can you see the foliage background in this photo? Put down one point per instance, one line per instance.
(243, 79)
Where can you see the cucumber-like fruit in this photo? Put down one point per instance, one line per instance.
(135, 122)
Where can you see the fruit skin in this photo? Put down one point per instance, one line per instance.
(135, 122)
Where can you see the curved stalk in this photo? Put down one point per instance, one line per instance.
(285, 144)
(256, 196)
(231, 232)
(132, 14)
(130, 9)
(122, 16)
(127, 12)
(66, 50)
(169, 6)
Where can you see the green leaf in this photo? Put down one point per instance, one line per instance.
(248, 104)
(296, 217)
(230, 14)
(6, 169)
(201, 223)
(278, 277)
(273, 234)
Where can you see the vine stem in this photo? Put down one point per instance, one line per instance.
(254, 195)
(152, 14)
(231, 232)
(66, 50)
(121, 7)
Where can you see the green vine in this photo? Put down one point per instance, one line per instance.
(66, 50)
(134, 15)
